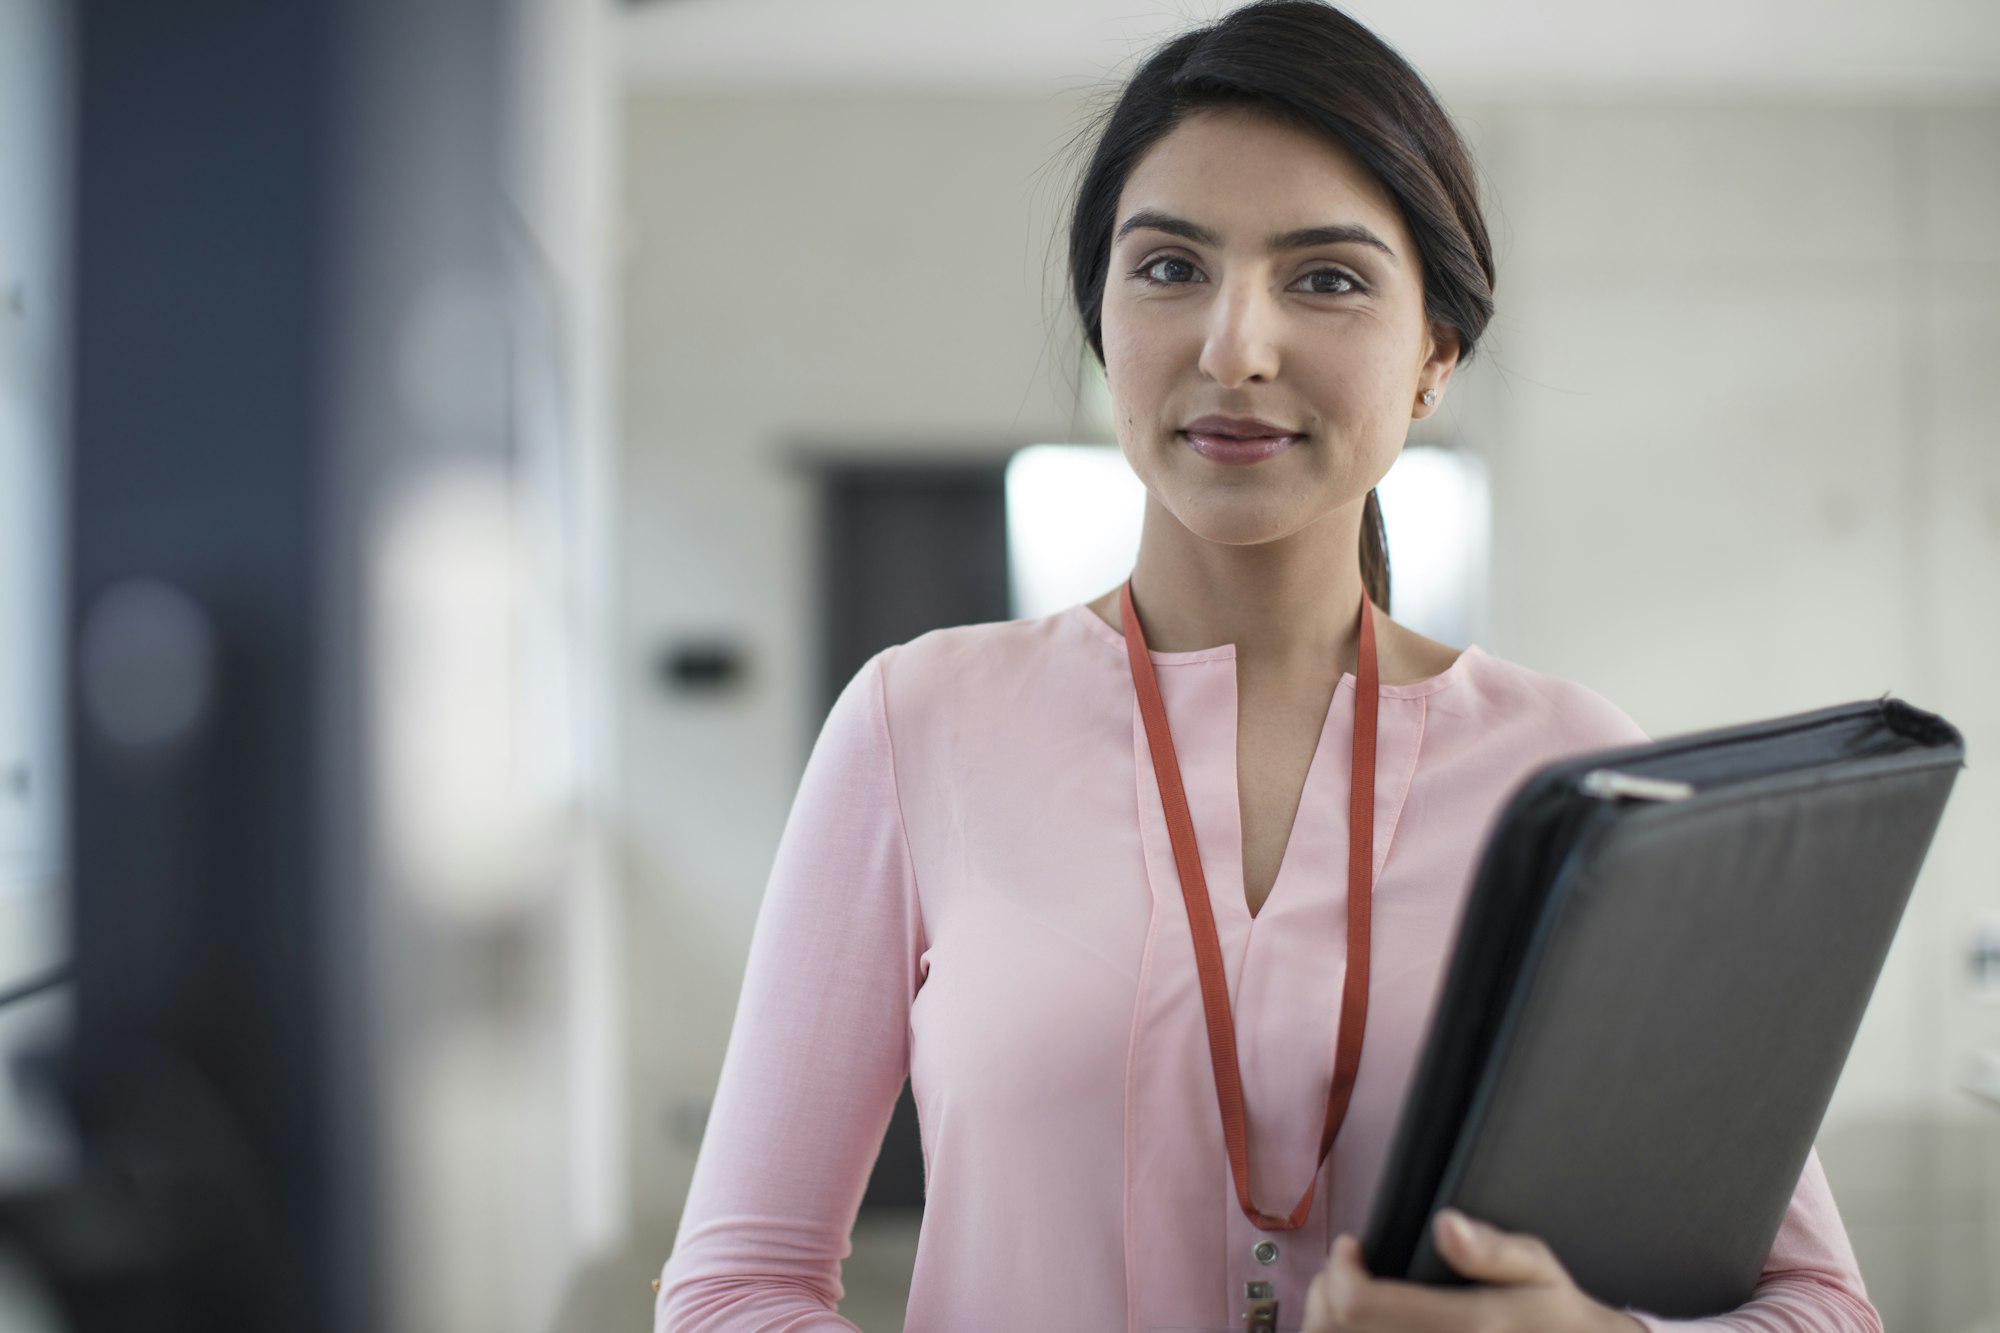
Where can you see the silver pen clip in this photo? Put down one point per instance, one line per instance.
(1610, 785)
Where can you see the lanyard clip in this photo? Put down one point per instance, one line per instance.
(1260, 1312)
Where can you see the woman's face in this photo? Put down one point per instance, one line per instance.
(1221, 301)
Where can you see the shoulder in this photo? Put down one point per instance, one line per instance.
(1559, 713)
(947, 675)
(962, 654)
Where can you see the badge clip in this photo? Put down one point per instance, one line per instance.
(1260, 1315)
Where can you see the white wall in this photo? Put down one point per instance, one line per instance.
(1737, 408)
(1740, 428)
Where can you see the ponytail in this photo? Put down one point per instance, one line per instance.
(1375, 553)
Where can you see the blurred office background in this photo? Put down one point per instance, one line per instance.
(631, 372)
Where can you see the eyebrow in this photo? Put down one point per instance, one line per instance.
(1334, 234)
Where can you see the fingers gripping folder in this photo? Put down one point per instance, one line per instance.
(1658, 974)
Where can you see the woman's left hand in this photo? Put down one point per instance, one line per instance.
(1527, 1291)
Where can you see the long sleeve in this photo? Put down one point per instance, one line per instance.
(1810, 1283)
(818, 1051)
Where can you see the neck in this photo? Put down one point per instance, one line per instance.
(1285, 603)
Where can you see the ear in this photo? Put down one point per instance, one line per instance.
(1441, 349)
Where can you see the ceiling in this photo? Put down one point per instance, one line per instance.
(1943, 49)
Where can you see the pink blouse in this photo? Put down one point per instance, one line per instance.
(975, 889)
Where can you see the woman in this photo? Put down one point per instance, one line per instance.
(1048, 868)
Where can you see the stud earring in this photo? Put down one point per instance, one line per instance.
(1430, 397)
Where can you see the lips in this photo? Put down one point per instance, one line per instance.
(1241, 428)
(1237, 439)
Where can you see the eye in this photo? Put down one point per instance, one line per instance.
(1173, 264)
(1331, 282)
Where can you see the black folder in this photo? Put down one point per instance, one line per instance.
(1658, 974)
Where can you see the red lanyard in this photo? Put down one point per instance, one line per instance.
(1201, 921)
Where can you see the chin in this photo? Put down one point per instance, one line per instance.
(1243, 520)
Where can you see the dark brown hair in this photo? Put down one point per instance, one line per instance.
(1310, 65)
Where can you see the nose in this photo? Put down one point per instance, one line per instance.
(1242, 336)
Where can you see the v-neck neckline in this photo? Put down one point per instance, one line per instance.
(1299, 810)
(1236, 903)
